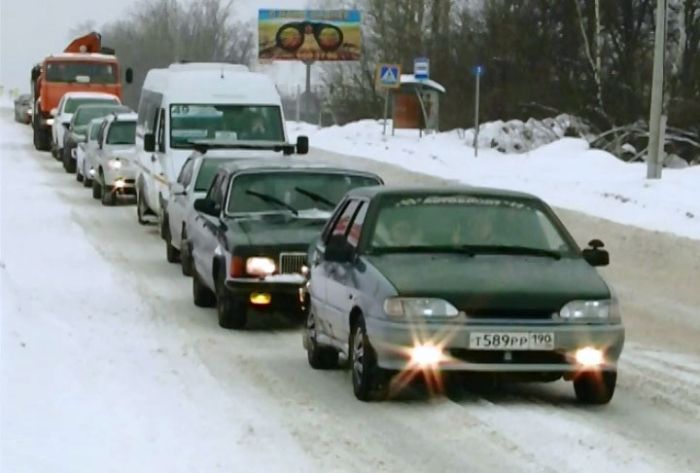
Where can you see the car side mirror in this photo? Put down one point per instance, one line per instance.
(129, 75)
(54, 112)
(595, 255)
(338, 250)
(178, 189)
(149, 142)
(302, 144)
(207, 207)
(66, 126)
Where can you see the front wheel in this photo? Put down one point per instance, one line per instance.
(202, 295)
(595, 387)
(172, 254)
(140, 208)
(96, 189)
(185, 256)
(319, 357)
(109, 196)
(231, 311)
(368, 380)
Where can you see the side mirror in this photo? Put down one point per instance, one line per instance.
(54, 112)
(149, 142)
(129, 75)
(178, 189)
(207, 207)
(66, 126)
(595, 255)
(338, 250)
(302, 144)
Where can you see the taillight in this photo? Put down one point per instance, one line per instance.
(237, 267)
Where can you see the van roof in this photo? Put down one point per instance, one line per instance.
(212, 83)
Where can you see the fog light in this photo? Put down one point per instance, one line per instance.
(119, 184)
(91, 172)
(426, 355)
(260, 298)
(589, 356)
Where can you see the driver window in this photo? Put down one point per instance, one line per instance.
(343, 224)
(356, 227)
(186, 174)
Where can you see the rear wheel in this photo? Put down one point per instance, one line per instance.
(368, 380)
(172, 254)
(595, 387)
(231, 311)
(185, 255)
(42, 138)
(202, 295)
(320, 357)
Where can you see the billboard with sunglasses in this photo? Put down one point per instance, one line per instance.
(309, 35)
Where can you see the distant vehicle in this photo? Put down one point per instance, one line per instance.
(63, 114)
(77, 131)
(186, 103)
(114, 165)
(23, 107)
(192, 184)
(249, 235)
(420, 280)
(82, 67)
(86, 153)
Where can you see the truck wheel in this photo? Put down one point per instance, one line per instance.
(594, 387)
(320, 357)
(367, 378)
(231, 311)
(96, 189)
(42, 138)
(202, 295)
(109, 197)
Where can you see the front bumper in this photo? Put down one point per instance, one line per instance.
(393, 341)
(121, 180)
(284, 296)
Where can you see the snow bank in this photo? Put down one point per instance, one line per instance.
(566, 173)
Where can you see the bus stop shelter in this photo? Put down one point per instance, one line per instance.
(416, 104)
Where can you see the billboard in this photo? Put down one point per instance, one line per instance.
(309, 35)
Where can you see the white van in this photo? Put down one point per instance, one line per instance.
(192, 103)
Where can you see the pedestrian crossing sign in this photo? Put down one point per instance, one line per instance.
(388, 76)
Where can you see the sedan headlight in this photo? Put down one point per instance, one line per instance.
(114, 163)
(418, 307)
(601, 310)
(260, 266)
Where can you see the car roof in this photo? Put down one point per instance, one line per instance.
(450, 189)
(284, 164)
(90, 95)
(115, 107)
(125, 116)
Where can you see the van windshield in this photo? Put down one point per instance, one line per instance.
(224, 122)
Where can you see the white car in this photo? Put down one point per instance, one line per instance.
(85, 153)
(191, 184)
(63, 114)
(114, 168)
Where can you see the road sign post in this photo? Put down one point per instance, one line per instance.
(478, 71)
(421, 71)
(388, 76)
(654, 164)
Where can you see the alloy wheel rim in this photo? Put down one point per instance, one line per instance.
(358, 354)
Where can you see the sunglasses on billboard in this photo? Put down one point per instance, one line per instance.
(290, 36)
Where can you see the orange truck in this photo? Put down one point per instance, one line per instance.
(84, 66)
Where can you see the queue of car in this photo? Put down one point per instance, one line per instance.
(395, 282)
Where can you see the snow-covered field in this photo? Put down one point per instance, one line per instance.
(106, 365)
(566, 173)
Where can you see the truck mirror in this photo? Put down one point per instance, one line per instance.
(302, 144)
(129, 75)
(54, 112)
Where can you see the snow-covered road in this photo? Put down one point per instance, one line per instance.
(106, 365)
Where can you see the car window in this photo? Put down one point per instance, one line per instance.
(343, 223)
(186, 173)
(101, 132)
(216, 191)
(94, 131)
(206, 173)
(356, 226)
(325, 234)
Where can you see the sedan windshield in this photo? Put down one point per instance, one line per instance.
(292, 191)
(467, 224)
(84, 114)
(122, 133)
(73, 104)
(224, 122)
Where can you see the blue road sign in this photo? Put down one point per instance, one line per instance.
(478, 70)
(421, 68)
(389, 76)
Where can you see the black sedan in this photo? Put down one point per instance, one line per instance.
(249, 235)
(420, 281)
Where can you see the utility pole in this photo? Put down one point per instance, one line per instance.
(655, 148)
(476, 111)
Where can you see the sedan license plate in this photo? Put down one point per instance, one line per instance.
(511, 341)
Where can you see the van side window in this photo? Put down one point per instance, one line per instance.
(149, 105)
(161, 131)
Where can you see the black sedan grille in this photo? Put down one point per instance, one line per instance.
(514, 357)
(291, 263)
(526, 314)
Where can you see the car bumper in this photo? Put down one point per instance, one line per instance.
(394, 341)
(283, 296)
(122, 180)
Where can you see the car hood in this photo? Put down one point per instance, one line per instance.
(493, 281)
(276, 230)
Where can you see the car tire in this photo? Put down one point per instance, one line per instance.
(231, 311)
(68, 161)
(79, 177)
(140, 209)
(87, 182)
(96, 189)
(109, 196)
(42, 138)
(319, 357)
(185, 255)
(172, 254)
(202, 295)
(595, 387)
(368, 380)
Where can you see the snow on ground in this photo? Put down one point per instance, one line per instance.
(566, 173)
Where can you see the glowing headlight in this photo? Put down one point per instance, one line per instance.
(260, 266)
(418, 307)
(114, 164)
(426, 355)
(49, 121)
(590, 310)
(119, 184)
(589, 356)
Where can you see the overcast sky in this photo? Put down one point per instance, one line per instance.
(33, 29)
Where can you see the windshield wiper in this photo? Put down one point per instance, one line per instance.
(511, 250)
(422, 249)
(315, 197)
(272, 200)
